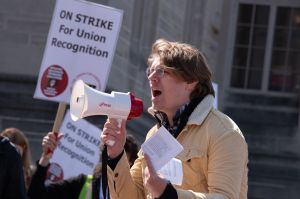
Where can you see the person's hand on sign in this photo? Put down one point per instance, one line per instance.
(49, 144)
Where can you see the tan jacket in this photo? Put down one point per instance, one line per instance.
(214, 160)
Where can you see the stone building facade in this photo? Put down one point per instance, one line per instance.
(252, 46)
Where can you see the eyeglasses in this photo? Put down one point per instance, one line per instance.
(159, 72)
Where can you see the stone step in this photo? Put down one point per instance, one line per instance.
(26, 124)
(262, 100)
(268, 189)
(24, 105)
(267, 130)
(279, 146)
(258, 109)
(253, 116)
(271, 178)
(16, 99)
(270, 168)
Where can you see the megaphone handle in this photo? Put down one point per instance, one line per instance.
(112, 142)
(119, 120)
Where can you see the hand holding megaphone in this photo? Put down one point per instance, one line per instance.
(86, 101)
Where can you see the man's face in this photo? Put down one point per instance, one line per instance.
(168, 92)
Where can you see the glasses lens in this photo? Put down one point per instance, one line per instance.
(159, 72)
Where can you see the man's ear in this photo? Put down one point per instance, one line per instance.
(191, 85)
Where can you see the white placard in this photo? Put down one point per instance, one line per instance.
(173, 171)
(161, 148)
(77, 152)
(80, 45)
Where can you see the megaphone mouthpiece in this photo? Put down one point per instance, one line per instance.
(137, 107)
(77, 100)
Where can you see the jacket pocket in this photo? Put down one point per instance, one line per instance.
(194, 164)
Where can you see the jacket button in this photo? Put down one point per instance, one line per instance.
(116, 175)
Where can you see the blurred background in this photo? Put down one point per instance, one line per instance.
(252, 46)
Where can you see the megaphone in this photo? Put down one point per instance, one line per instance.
(86, 101)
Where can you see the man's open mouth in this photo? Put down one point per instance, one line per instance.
(156, 93)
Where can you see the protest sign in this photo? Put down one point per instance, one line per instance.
(77, 152)
(80, 45)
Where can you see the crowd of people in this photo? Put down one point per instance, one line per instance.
(20, 179)
(214, 157)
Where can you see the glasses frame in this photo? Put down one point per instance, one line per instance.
(159, 71)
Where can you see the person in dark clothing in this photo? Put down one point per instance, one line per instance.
(12, 185)
(20, 140)
(68, 188)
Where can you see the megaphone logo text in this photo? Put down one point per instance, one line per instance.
(103, 105)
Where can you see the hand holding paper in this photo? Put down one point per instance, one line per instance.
(172, 171)
(161, 148)
(154, 182)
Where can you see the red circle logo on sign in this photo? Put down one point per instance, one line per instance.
(54, 81)
(54, 173)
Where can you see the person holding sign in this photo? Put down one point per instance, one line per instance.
(81, 186)
(214, 157)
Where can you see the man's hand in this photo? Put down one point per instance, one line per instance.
(154, 182)
(114, 137)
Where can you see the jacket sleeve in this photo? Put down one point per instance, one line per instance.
(126, 183)
(69, 188)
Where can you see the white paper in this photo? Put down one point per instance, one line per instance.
(161, 148)
(173, 171)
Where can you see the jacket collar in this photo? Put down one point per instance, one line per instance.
(200, 113)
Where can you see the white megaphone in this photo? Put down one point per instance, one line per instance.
(86, 101)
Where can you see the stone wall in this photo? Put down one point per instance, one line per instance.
(270, 124)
